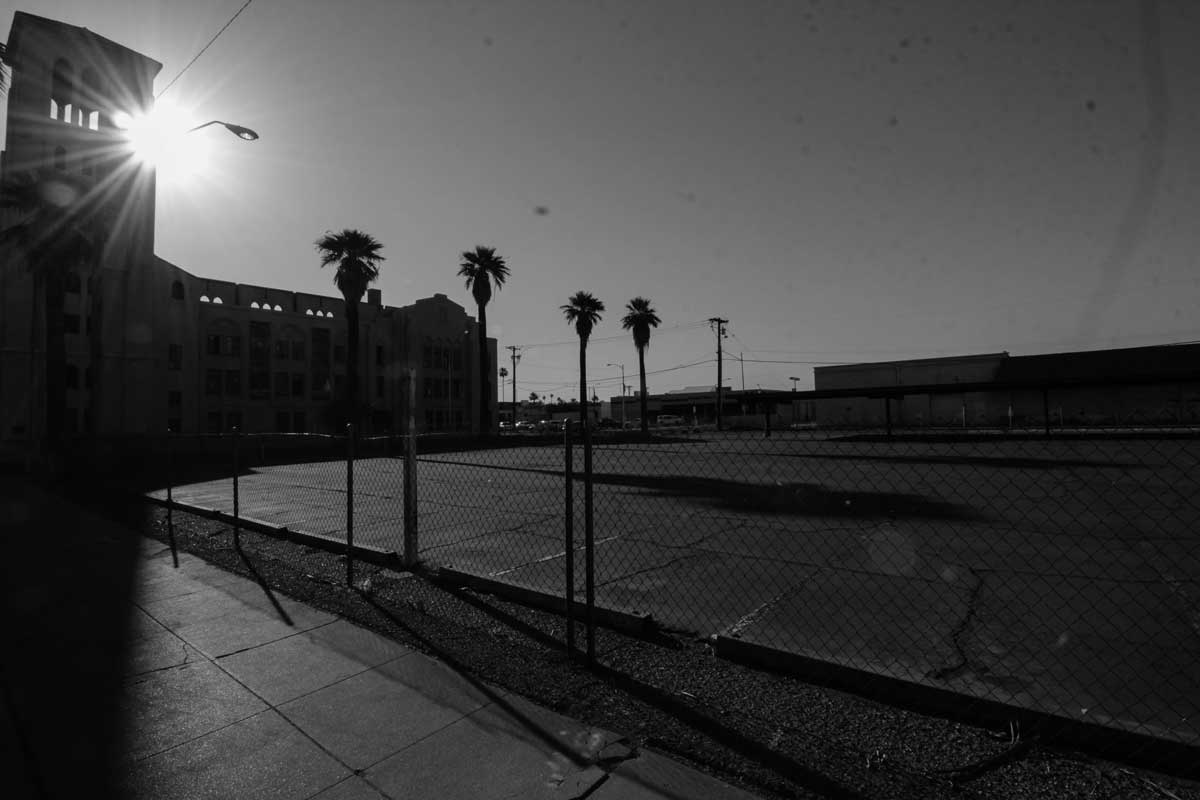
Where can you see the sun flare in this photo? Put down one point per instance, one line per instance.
(161, 139)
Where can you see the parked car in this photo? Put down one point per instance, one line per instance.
(668, 420)
(506, 427)
(608, 424)
(526, 425)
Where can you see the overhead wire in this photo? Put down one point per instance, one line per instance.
(203, 49)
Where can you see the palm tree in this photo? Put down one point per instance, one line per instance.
(56, 234)
(640, 317)
(357, 257)
(583, 309)
(481, 269)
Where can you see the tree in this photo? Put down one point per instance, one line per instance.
(357, 257)
(57, 232)
(583, 309)
(481, 269)
(640, 317)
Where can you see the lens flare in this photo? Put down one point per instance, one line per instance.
(160, 139)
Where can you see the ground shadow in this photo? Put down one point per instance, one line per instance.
(805, 499)
(669, 703)
(1001, 462)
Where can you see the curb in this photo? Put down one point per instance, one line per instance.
(1125, 746)
(641, 624)
(363, 552)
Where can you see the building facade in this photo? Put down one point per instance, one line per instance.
(150, 346)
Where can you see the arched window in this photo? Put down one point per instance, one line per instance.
(90, 100)
(60, 159)
(217, 300)
(203, 298)
(308, 312)
(278, 307)
(62, 90)
(177, 290)
(254, 304)
(329, 313)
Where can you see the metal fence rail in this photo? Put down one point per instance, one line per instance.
(1057, 573)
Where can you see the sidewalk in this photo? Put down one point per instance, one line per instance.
(126, 676)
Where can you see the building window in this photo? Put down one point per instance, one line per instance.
(212, 384)
(174, 425)
(212, 344)
(233, 420)
(298, 422)
(339, 385)
(458, 358)
(260, 383)
(73, 284)
(60, 159)
(72, 376)
(214, 421)
(87, 377)
(177, 290)
(283, 422)
(174, 399)
(457, 388)
(254, 304)
(281, 348)
(218, 301)
(379, 355)
(175, 356)
(298, 385)
(233, 382)
(427, 357)
(71, 323)
(339, 354)
(281, 384)
(297, 351)
(232, 345)
(379, 387)
(203, 298)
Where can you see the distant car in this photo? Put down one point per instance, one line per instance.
(667, 420)
(803, 426)
(525, 425)
(606, 424)
(505, 427)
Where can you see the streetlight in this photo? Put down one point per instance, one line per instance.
(239, 131)
(622, 366)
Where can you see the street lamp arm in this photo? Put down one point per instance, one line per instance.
(239, 131)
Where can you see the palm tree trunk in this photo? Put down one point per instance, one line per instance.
(642, 398)
(484, 423)
(583, 382)
(352, 366)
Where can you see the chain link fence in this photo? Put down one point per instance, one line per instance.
(1045, 566)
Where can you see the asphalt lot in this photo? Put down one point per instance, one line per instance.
(1061, 575)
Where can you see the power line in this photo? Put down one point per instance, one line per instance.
(202, 49)
(677, 328)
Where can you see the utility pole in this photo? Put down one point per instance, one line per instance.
(516, 356)
(742, 362)
(622, 366)
(720, 331)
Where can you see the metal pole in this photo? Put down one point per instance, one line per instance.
(171, 501)
(350, 504)
(569, 527)
(410, 475)
(887, 415)
(237, 528)
(589, 545)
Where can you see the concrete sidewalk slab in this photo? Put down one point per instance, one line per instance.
(312, 706)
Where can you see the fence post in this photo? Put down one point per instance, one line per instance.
(589, 544)
(410, 474)
(887, 415)
(237, 532)
(171, 499)
(350, 504)
(569, 473)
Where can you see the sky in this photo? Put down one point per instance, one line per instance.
(843, 181)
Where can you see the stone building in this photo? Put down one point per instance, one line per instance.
(151, 346)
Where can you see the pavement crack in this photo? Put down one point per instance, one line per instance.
(962, 664)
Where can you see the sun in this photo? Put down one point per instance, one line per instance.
(161, 139)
